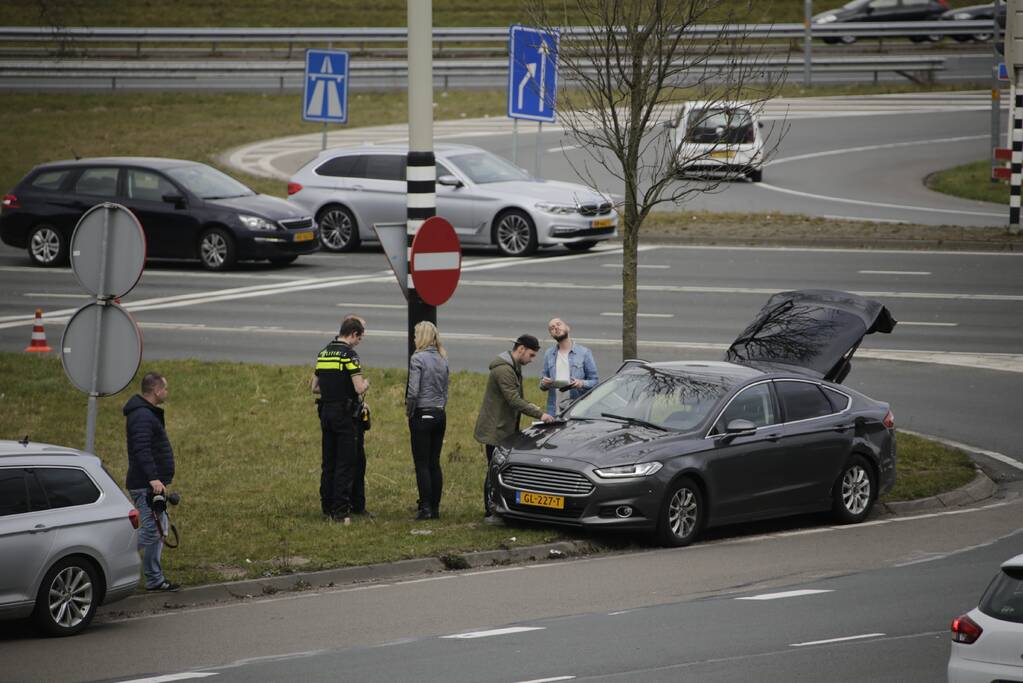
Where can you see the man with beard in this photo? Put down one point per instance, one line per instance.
(569, 370)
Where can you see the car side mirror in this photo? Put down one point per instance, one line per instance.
(449, 181)
(739, 427)
(176, 199)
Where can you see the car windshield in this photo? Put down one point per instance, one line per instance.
(1004, 597)
(720, 124)
(665, 399)
(484, 167)
(208, 183)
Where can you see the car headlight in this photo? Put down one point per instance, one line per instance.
(826, 19)
(639, 469)
(557, 209)
(499, 457)
(256, 223)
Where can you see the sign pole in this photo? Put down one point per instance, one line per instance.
(93, 409)
(515, 141)
(536, 161)
(421, 169)
(807, 42)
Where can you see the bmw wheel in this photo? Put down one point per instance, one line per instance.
(515, 234)
(67, 598)
(47, 247)
(338, 229)
(854, 491)
(217, 250)
(682, 514)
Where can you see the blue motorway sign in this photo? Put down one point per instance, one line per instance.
(532, 73)
(326, 86)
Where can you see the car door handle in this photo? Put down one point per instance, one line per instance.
(357, 188)
(842, 428)
(38, 528)
(774, 436)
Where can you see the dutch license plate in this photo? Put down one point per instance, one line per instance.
(540, 500)
(303, 236)
(603, 223)
(722, 155)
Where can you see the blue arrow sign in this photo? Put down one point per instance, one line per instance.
(532, 73)
(1003, 73)
(326, 86)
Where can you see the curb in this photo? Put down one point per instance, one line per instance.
(980, 488)
(879, 244)
(233, 591)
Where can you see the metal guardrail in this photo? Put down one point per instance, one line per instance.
(445, 70)
(345, 35)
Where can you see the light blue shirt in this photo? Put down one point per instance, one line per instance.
(581, 366)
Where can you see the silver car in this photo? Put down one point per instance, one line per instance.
(68, 537)
(487, 199)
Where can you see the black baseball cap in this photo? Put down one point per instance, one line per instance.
(529, 341)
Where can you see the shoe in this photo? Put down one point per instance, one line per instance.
(166, 587)
(493, 520)
(424, 513)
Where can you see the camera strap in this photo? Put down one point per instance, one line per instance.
(165, 536)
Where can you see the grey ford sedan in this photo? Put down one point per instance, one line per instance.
(486, 198)
(672, 448)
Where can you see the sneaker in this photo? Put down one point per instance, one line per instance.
(166, 587)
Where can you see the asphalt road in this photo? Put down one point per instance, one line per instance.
(853, 157)
(884, 594)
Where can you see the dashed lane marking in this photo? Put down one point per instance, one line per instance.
(838, 640)
(786, 594)
(494, 632)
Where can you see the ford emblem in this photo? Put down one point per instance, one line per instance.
(546, 461)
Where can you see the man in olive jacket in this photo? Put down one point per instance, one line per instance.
(504, 402)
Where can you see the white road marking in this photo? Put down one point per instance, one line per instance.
(894, 272)
(838, 250)
(495, 632)
(549, 680)
(624, 611)
(618, 314)
(1011, 462)
(51, 295)
(641, 265)
(872, 148)
(940, 556)
(908, 322)
(171, 677)
(883, 205)
(837, 640)
(563, 148)
(786, 594)
(353, 305)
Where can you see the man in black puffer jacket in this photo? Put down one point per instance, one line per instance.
(150, 471)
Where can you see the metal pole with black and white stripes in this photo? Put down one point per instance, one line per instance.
(421, 169)
(1014, 65)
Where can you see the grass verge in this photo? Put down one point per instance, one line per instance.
(970, 181)
(247, 447)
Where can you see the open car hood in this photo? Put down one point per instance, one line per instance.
(815, 329)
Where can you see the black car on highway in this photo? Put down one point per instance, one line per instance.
(882, 11)
(674, 447)
(991, 11)
(187, 210)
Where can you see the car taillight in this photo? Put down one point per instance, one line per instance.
(133, 517)
(943, 3)
(293, 188)
(889, 420)
(10, 202)
(965, 630)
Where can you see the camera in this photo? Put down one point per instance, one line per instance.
(158, 501)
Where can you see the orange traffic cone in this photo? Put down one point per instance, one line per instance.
(38, 343)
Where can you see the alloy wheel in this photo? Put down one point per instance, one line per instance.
(70, 597)
(856, 490)
(514, 234)
(335, 229)
(213, 250)
(683, 510)
(45, 245)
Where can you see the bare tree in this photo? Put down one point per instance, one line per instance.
(627, 67)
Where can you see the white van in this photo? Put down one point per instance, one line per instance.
(719, 138)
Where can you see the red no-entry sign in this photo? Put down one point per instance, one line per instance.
(436, 261)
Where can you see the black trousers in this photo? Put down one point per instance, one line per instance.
(339, 464)
(359, 478)
(488, 491)
(426, 428)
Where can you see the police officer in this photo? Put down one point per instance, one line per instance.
(341, 386)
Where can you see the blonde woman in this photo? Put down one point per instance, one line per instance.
(425, 400)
